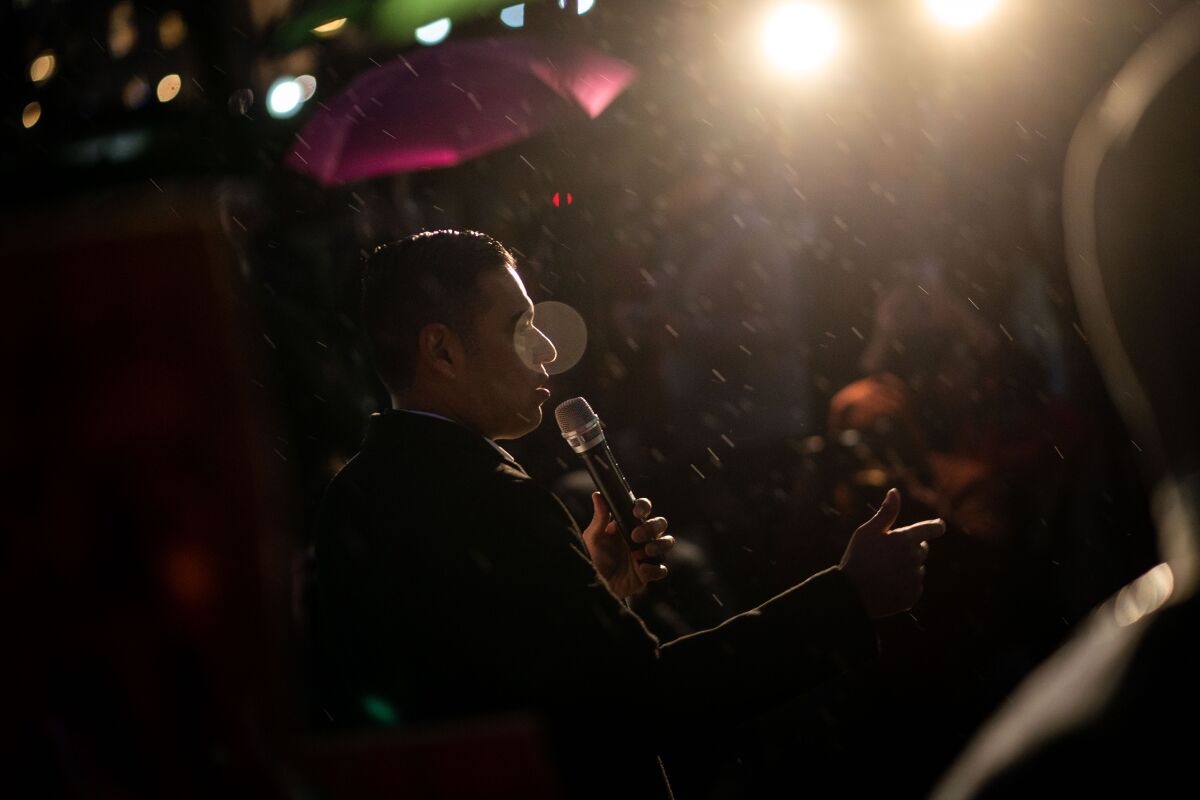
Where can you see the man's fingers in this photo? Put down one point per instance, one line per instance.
(642, 507)
(651, 572)
(649, 530)
(889, 509)
(660, 546)
(921, 531)
(914, 553)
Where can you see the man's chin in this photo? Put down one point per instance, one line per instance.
(523, 424)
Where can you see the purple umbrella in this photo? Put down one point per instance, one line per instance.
(445, 105)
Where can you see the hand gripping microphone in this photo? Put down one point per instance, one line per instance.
(581, 428)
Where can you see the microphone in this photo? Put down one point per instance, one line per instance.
(581, 428)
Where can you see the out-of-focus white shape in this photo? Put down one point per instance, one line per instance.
(1145, 595)
(563, 326)
(513, 16)
(168, 88)
(285, 97)
(42, 68)
(434, 32)
(331, 28)
(961, 13)
(31, 114)
(586, 6)
(801, 37)
(308, 87)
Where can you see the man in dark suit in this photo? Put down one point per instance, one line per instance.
(450, 584)
(1115, 710)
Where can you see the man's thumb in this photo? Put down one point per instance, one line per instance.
(599, 509)
(885, 517)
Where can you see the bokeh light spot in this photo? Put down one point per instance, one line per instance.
(513, 16)
(308, 87)
(42, 68)
(565, 328)
(136, 92)
(285, 97)
(122, 33)
(434, 32)
(172, 30)
(168, 88)
(31, 114)
(801, 38)
(331, 28)
(380, 710)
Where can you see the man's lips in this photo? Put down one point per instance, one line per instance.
(543, 391)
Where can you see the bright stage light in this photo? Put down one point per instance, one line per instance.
(801, 37)
(434, 32)
(961, 13)
(284, 98)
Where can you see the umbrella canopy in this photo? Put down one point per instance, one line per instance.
(448, 104)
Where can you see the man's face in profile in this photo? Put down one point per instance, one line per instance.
(504, 375)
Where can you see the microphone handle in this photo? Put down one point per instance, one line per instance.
(614, 488)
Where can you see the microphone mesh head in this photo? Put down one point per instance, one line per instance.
(573, 414)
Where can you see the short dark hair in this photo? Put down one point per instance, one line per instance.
(429, 277)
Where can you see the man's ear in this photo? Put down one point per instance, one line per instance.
(440, 349)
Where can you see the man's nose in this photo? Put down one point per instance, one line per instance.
(544, 351)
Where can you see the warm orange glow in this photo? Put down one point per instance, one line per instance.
(42, 68)
(168, 87)
(122, 33)
(330, 28)
(961, 13)
(172, 30)
(31, 114)
(189, 575)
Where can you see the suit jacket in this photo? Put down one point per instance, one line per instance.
(450, 584)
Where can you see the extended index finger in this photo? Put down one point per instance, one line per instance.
(921, 531)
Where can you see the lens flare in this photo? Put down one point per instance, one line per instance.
(801, 38)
